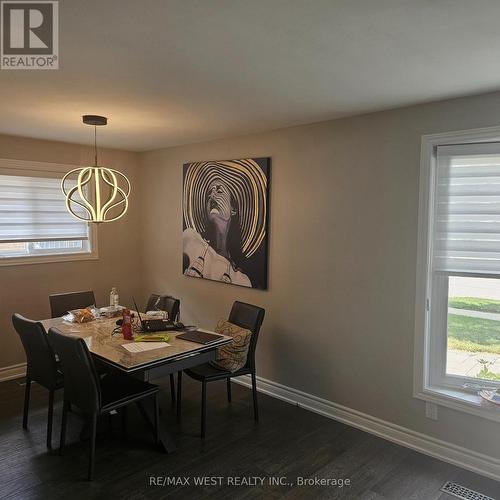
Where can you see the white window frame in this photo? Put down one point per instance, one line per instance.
(23, 167)
(430, 382)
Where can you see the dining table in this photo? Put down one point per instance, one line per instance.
(106, 343)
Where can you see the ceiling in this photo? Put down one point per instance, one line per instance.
(169, 72)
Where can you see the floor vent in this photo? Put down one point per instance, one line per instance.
(462, 492)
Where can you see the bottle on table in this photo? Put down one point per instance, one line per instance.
(113, 298)
(127, 325)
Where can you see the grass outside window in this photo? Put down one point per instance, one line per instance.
(475, 334)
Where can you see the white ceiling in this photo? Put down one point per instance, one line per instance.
(168, 72)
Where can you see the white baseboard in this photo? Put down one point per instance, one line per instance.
(448, 452)
(11, 372)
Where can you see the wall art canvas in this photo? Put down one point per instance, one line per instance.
(225, 221)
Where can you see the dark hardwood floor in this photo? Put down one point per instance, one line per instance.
(289, 442)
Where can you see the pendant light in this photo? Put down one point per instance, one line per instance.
(98, 189)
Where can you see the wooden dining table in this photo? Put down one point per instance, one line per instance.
(106, 344)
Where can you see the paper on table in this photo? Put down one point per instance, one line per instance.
(144, 346)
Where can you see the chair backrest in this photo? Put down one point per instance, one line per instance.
(81, 382)
(164, 303)
(41, 362)
(250, 317)
(61, 303)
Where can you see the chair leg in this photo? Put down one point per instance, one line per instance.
(93, 432)
(179, 395)
(49, 419)
(228, 382)
(254, 391)
(172, 388)
(62, 439)
(27, 390)
(203, 409)
(157, 421)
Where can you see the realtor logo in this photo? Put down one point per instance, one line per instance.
(30, 35)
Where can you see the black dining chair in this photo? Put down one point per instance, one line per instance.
(93, 395)
(61, 303)
(171, 305)
(246, 316)
(167, 303)
(41, 366)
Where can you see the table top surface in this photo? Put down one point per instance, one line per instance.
(98, 335)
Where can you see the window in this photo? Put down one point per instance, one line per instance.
(457, 350)
(35, 225)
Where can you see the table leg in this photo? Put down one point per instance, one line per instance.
(147, 409)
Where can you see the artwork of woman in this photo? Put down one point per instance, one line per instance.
(225, 221)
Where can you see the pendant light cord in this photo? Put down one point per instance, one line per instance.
(95, 145)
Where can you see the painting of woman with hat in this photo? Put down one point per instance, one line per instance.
(225, 210)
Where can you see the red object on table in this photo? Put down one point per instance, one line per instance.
(127, 325)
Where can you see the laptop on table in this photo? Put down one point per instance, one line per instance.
(161, 325)
(154, 325)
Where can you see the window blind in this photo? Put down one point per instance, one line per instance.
(467, 209)
(33, 209)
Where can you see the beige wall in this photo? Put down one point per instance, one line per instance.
(25, 288)
(342, 260)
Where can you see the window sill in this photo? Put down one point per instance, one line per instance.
(45, 259)
(460, 400)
